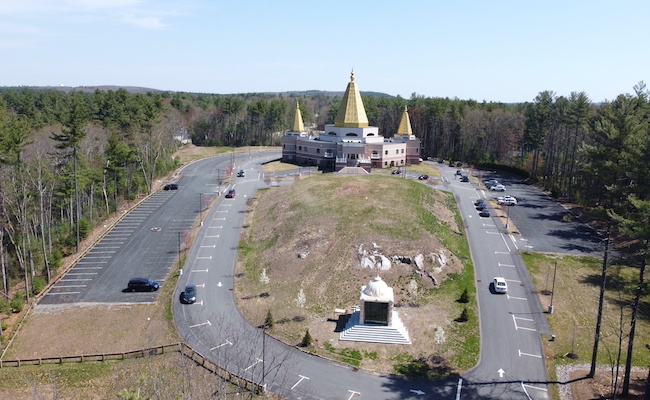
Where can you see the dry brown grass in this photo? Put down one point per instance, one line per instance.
(326, 219)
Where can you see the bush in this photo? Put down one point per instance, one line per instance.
(38, 284)
(306, 340)
(269, 322)
(17, 303)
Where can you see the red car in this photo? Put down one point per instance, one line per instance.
(231, 193)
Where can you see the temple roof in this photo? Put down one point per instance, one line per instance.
(351, 114)
(298, 125)
(405, 124)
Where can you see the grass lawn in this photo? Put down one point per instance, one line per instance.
(575, 306)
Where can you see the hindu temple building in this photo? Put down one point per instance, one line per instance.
(376, 320)
(351, 141)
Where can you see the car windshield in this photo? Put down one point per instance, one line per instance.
(190, 291)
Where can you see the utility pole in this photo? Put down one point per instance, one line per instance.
(601, 299)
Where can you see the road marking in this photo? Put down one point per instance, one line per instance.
(74, 280)
(517, 327)
(204, 258)
(67, 286)
(501, 372)
(524, 386)
(505, 242)
(212, 236)
(207, 322)
(501, 252)
(516, 298)
(219, 284)
(528, 354)
(259, 360)
(87, 268)
(215, 227)
(506, 265)
(353, 394)
(213, 246)
(81, 273)
(218, 219)
(301, 379)
(48, 293)
(219, 211)
(418, 392)
(199, 270)
(460, 385)
(228, 342)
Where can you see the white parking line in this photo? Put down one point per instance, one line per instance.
(259, 360)
(528, 354)
(506, 265)
(50, 293)
(300, 380)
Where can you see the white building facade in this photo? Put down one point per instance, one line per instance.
(350, 141)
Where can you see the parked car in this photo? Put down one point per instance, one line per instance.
(241, 173)
(464, 178)
(500, 285)
(423, 177)
(396, 172)
(498, 188)
(507, 200)
(484, 212)
(459, 172)
(231, 193)
(142, 285)
(171, 186)
(479, 202)
(189, 294)
(490, 182)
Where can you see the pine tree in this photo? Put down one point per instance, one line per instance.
(306, 340)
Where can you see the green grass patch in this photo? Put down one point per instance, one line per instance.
(573, 284)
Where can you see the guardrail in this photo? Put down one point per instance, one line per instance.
(183, 348)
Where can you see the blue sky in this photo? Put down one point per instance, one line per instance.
(495, 51)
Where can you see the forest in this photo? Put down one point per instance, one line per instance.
(68, 159)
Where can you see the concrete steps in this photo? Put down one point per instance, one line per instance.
(394, 334)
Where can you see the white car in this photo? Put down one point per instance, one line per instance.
(507, 200)
(498, 188)
(500, 285)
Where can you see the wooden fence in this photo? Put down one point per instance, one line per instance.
(183, 348)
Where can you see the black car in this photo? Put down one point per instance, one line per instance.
(464, 178)
(396, 172)
(189, 294)
(171, 186)
(142, 285)
(423, 177)
(231, 193)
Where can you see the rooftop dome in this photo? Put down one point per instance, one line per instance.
(377, 288)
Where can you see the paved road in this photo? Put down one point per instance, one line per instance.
(511, 364)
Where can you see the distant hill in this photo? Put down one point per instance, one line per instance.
(143, 90)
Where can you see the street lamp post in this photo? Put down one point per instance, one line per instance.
(200, 209)
(550, 307)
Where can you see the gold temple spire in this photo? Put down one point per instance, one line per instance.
(405, 124)
(351, 114)
(298, 125)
